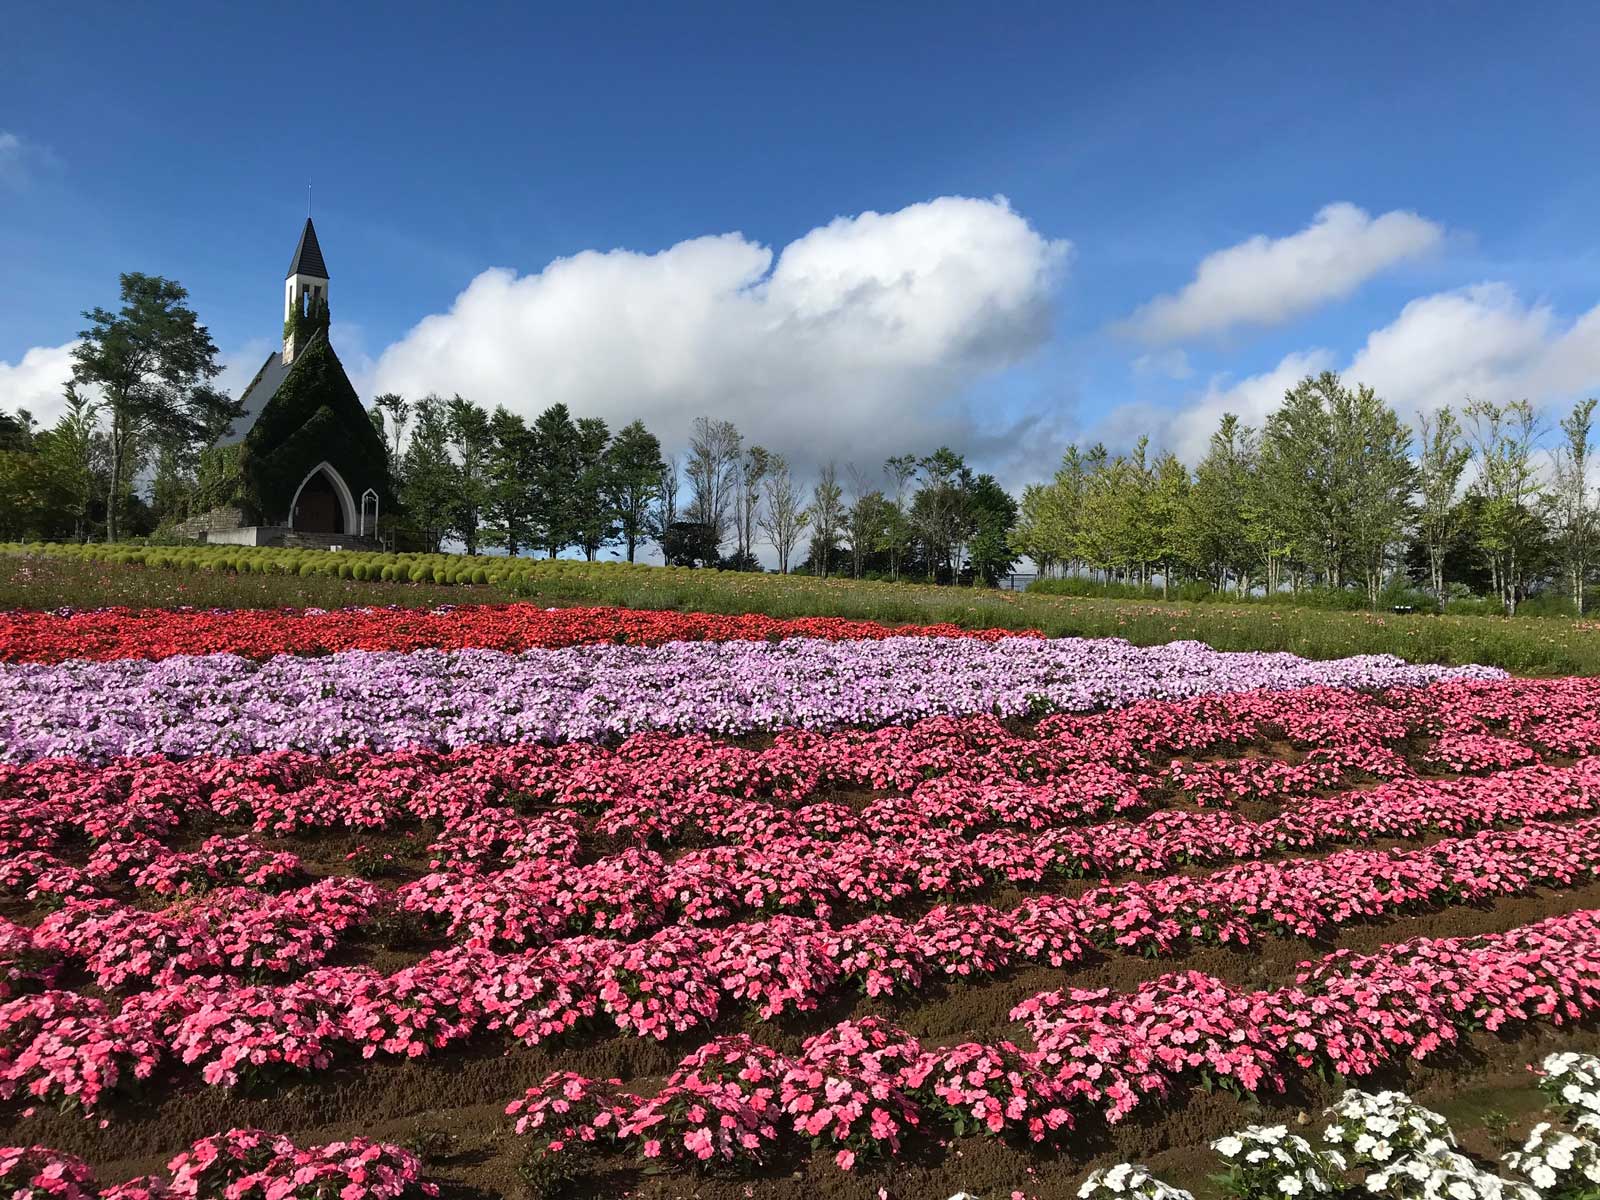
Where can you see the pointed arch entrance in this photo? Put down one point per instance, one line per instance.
(323, 503)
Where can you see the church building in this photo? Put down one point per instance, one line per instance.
(302, 465)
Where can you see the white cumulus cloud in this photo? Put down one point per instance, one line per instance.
(37, 381)
(1266, 281)
(855, 341)
(1482, 342)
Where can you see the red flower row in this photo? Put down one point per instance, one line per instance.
(154, 633)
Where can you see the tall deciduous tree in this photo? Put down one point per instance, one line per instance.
(391, 412)
(753, 466)
(71, 450)
(901, 470)
(1442, 459)
(151, 361)
(595, 520)
(713, 470)
(785, 515)
(1503, 437)
(827, 516)
(991, 512)
(431, 483)
(1221, 507)
(1573, 523)
(634, 470)
(472, 441)
(667, 512)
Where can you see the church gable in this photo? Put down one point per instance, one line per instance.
(303, 452)
(313, 417)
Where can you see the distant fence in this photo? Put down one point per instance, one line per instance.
(1017, 581)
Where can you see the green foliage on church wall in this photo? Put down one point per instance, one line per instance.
(220, 480)
(315, 416)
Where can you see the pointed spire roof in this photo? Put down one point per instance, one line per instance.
(308, 255)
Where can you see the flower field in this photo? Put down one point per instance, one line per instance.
(507, 900)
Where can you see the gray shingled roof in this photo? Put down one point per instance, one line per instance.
(308, 255)
(262, 389)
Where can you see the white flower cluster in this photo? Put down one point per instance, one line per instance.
(1444, 1175)
(1269, 1161)
(1378, 1128)
(1572, 1080)
(1128, 1181)
(1560, 1163)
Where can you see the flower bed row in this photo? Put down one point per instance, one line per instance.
(964, 774)
(492, 863)
(226, 704)
(861, 1085)
(155, 633)
(234, 1165)
(67, 1047)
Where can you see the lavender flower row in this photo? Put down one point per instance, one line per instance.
(228, 705)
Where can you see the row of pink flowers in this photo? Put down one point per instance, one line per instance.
(196, 1012)
(242, 1164)
(859, 1086)
(963, 774)
(814, 857)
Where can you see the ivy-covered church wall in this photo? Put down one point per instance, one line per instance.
(316, 416)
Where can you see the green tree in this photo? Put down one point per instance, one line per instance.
(1168, 501)
(939, 511)
(1573, 520)
(827, 516)
(784, 516)
(752, 469)
(507, 511)
(390, 413)
(1442, 459)
(991, 514)
(594, 517)
(713, 471)
(1503, 438)
(151, 361)
(472, 444)
(430, 486)
(867, 523)
(553, 480)
(1221, 530)
(1376, 478)
(634, 473)
(72, 458)
(901, 470)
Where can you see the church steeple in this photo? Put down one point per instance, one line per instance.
(305, 294)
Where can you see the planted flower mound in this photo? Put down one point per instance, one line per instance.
(613, 894)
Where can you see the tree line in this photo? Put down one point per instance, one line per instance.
(495, 481)
(1332, 493)
(1335, 492)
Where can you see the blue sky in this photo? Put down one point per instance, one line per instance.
(1129, 144)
